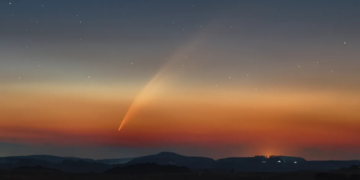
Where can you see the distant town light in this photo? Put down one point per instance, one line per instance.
(279, 161)
(295, 162)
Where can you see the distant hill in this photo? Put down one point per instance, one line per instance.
(280, 164)
(46, 158)
(58, 160)
(53, 162)
(289, 159)
(114, 161)
(244, 164)
(261, 163)
(148, 168)
(169, 158)
(16, 162)
(261, 159)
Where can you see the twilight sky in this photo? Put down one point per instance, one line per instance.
(213, 78)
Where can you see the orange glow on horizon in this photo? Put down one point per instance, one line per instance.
(280, 124)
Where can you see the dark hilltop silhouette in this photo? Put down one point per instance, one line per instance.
(175, 159)
(148, 168)
(168, 165)
(114, 161)
(243, 164)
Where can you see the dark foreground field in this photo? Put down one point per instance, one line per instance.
(182, 176)
(170, 166)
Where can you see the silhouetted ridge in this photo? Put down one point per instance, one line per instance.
(169, 154)
(114, 161)
(148, 168)
(43, 158)
(289, 159)
(165, 158)
(243, 164)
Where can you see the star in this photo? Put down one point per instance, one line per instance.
(345, 43)
(229, 77)
(317, 62)
(42, 5)
(131, 63)
(299, 66)
(89, 77)
(80, 22)
(19, 77)
(9, 3)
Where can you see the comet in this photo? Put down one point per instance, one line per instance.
(143, 96)
(146, 93)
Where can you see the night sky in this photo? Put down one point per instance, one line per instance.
(214, 78)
